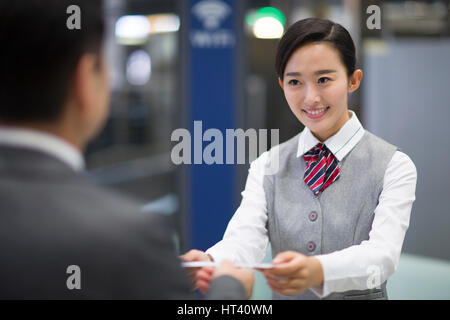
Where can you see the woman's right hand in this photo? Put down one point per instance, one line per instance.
(196, 255)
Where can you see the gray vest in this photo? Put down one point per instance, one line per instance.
(339, 217)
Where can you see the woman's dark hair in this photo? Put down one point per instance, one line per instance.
(39, 54)
(316, 30)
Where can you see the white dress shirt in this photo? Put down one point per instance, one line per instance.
(43, 142)
(246, 237)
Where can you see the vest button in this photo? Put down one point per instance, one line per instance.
(313, 216)
(311, 246)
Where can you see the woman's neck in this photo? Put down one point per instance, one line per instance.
(322, 137)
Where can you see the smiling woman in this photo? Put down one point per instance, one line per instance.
(316, 69)
(337, 209)
(319, 97)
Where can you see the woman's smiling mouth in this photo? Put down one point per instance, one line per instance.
(315, 113)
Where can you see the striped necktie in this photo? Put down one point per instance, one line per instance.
(321, 168)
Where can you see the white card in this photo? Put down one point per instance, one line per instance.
(200, 264)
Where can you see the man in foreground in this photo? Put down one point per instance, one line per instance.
(60, 236)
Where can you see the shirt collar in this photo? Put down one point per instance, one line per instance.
(340, 144)
(44, 142)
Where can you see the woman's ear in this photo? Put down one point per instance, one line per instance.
(280, 82)
(355, 80)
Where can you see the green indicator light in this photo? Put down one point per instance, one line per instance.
(266, 22)
(265, 12)
(271, 12)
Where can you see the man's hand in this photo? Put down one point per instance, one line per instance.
(245, 276)
(293, 273)
(195, 255)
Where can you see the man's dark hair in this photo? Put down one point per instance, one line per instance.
(316, 30)
(39, 55)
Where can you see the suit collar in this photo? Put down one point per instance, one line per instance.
(340, 144)
(42, 142)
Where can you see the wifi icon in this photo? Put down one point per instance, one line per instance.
(211, 13)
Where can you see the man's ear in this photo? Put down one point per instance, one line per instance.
(84, 81)
(355, 80)
(280, 82)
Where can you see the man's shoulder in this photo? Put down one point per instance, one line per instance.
(102, 196)
(64, 219)
(113, 213)
(45, 189)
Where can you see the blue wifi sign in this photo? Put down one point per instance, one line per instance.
(212, 24)
(212, 86)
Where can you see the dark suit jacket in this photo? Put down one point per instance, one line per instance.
(52, 218)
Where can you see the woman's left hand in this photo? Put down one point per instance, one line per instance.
(293, 273)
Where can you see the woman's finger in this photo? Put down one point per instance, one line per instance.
(270, 276)
(290, 268)
(293, 283)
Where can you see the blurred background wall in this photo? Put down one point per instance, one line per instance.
(162, 79)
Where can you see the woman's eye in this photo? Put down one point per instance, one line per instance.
(294, 82)
(323, 80)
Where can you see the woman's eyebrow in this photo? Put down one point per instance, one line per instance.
(293, 74)
(319, 72)
(324, 71)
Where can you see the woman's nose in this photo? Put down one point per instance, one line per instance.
(312, 97)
